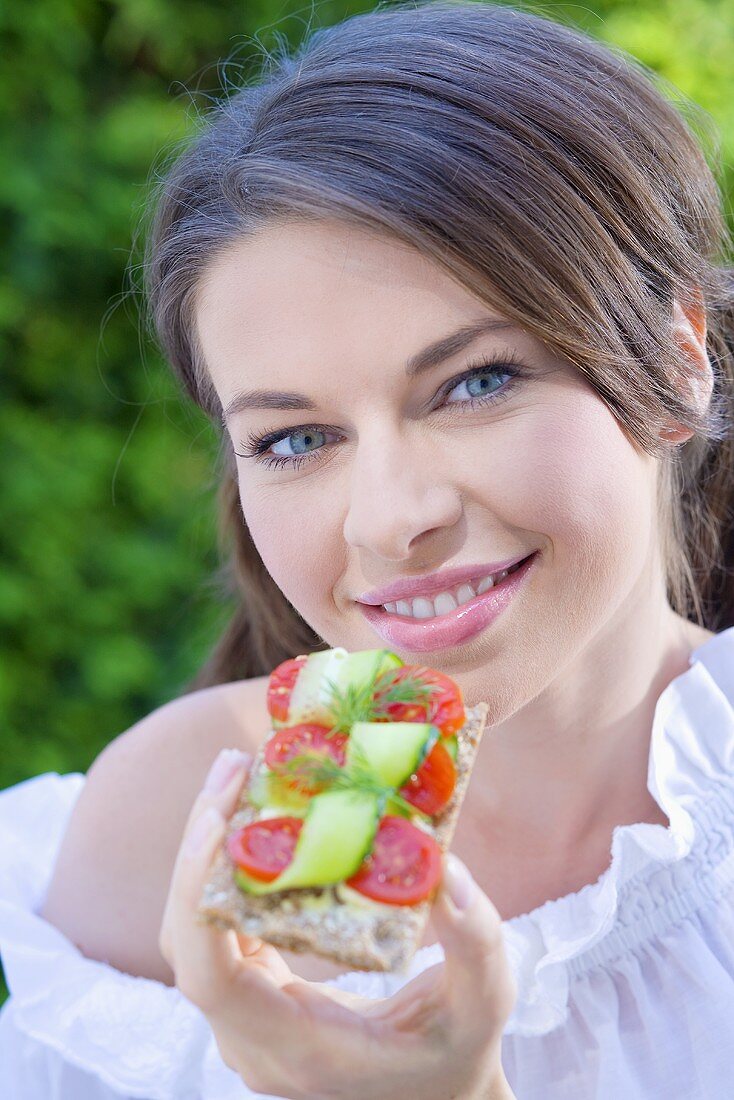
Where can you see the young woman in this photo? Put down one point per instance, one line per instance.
(452, 281)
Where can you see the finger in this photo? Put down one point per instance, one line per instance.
(479, 984)
(415, 1004)
(327, 1005)
(221, 790)
(203, 957)
(356, 1001)
(258, 952)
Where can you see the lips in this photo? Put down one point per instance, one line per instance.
(426, 635)
(460, 593)
(433, 583)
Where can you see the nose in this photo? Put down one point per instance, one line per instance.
(397, 494)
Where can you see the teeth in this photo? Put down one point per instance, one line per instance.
(465, 593)
(423, 608)
(445, 602)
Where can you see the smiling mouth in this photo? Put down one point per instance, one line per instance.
(421, 608)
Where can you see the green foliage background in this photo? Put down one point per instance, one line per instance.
(106, 489)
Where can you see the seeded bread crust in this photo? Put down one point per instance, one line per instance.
(363, 939)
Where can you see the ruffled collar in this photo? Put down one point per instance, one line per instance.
(690, 776)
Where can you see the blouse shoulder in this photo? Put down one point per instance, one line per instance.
(658, 876)
(74, 1027)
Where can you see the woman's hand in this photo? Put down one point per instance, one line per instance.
(438, 1037)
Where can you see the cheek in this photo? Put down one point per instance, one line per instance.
(584, 485)
(290, 532)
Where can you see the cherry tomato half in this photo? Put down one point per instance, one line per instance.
(431, 787)
(280, 685)
(404, 866)
(265, 848)
(444, 708)
(307, 737)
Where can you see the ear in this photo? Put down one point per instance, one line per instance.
(689, 330)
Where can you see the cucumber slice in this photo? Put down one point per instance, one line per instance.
(268, 790)
(246, 882)
(451, 744)
(364, 665)
(402, 809)
(311, 697)
(336, 838)
(392, 750)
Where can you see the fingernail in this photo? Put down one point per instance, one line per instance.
(459, 883)
(201, 830)
(223, 768)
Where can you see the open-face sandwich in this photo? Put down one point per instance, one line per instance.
(335, 847)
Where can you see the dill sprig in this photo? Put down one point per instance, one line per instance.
(311, 770)
(369, 701)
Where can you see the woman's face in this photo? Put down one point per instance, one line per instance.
(393, 476)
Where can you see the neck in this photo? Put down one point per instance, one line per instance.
(560, 773)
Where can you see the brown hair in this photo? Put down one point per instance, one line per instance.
(544, 170)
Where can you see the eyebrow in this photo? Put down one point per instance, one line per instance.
(430, 357)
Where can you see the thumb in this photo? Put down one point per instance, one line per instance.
(480, 983)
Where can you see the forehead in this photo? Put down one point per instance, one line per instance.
(322, 308)
(322, 282)
(331, 250)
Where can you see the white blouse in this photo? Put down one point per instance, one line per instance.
(626, 988)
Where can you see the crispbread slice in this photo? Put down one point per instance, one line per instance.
(363, 937)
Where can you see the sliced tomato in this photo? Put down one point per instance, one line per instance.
(265, 848)
(404, 866)
(445, 708)
(280, 685)
(431, 787)
(306, 737)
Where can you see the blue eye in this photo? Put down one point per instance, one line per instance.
(302, 439)
(480, 382)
